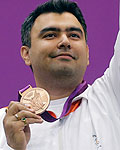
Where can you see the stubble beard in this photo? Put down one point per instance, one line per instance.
(62, 75)
(61, 72)
(65, 75)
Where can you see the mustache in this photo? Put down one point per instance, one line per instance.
(63, 53)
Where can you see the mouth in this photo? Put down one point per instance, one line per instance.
(63, 56)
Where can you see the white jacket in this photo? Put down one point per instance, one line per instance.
(95, 125)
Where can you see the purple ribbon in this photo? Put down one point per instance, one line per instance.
(79, 89)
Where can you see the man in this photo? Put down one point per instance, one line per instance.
(55, 47)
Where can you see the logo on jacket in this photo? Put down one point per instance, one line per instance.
(97, 142)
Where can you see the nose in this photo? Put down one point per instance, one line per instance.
(64, 42)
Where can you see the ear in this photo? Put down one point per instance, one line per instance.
(25, 55)
(87, 49)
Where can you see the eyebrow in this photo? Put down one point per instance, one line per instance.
(74, 29)
(47, 29)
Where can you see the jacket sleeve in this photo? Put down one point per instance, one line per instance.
(3, 142)
(106, 89)
(114, 70)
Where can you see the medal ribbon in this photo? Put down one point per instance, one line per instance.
(68, 106)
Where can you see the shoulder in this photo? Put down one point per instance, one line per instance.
(117, 43)
(2, 133)
(2, 114)
(2, 110)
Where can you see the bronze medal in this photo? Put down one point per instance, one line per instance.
(37, 98)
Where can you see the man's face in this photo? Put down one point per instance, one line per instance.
(58, 46)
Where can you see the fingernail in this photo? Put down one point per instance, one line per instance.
(30, 109)
(41, 120)
(39, 117)
(28, 105)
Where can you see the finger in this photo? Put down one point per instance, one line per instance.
(14, 102)
(20, 125)
(15, 107)
(13, 124)
(32, 121)
(26, 114)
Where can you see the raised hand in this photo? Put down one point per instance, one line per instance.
(16, 124)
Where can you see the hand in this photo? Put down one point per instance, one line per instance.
(18, 131)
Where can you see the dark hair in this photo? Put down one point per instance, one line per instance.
(57, 6)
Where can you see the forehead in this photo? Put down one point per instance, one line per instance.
(62, 21)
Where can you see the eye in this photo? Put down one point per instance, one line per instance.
(50, 36)
(74, 35)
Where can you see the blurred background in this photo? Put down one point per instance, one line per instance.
(102, 19)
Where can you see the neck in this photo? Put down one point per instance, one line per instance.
(59, 89)
(60, 93)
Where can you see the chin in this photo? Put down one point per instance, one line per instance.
(63, 72)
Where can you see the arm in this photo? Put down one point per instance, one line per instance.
(105, 91)
(114, 70)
